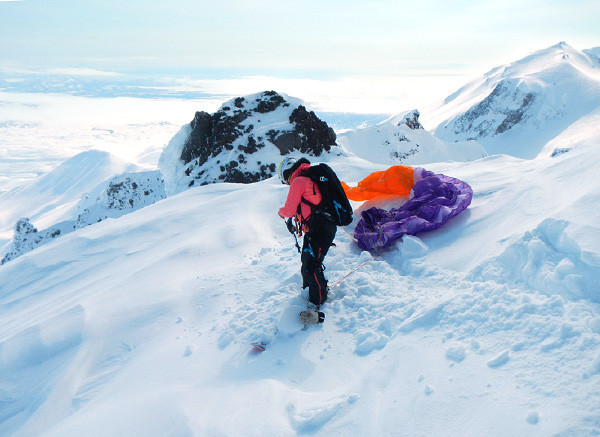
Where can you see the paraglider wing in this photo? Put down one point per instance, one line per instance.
(397, 180)
(435, 198)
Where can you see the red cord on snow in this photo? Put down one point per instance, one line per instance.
(336, 283)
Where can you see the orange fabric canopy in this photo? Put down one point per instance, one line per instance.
(395, 181)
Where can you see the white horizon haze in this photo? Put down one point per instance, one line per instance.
(384, 56)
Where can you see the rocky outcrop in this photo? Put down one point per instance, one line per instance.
(119, 195)
(412, 120)
(503, 108)
(198, 144)
(27, 237)
(244, 140)
(310, 135)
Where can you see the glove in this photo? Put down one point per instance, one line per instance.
(311, 317)
(290, 226)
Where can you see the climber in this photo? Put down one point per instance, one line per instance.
(318, 228)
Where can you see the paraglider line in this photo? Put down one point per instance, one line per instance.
(339, 281)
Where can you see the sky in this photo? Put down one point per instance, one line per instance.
(426, 47)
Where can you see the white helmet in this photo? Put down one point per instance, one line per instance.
(283, 171)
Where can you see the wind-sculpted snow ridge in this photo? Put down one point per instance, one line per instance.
(243, 141)
(118, 196)
(401, 139)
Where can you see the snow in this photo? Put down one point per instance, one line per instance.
(393, 142)
(141, 324)
(80, 192)
(40, 131)
(50, 197)
(517, 109)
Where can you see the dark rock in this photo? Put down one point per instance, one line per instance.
(239, 102)
(198, 144)
(412, 120)
(286, 142)
(513, 117)
(24, 227)
(315, 135)
(234, 127)
(269, 101)
(310, 135)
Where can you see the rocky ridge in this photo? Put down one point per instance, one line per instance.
(118, 196)
(243, 141)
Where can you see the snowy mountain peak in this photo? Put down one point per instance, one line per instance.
(556, 56)
(243, 141)
(401, 139)
(517, 108)
(409, 119)
(51, 197)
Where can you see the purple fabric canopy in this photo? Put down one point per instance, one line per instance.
(434, 200)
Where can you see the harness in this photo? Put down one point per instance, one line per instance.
(314, 208)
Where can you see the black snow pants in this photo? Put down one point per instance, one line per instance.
(317, 242)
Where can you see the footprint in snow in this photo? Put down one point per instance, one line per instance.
(500, 360)
(313, 419)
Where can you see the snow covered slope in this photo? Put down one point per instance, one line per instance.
(401, 139)
(516, 109)
(488, 326)
(112, 198)
(86, 189)
(53, 196)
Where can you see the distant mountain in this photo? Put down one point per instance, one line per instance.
(401, 139)
(517, 108)
(243, 141)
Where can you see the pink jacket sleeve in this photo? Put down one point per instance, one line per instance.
(294, 197)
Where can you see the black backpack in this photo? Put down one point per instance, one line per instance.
(334, 203)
